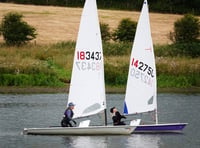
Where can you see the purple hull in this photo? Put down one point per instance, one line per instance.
(160, 128)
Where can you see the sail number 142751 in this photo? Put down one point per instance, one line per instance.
(142, 67)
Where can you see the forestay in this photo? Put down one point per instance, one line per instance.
(141, 85)
(87, 88)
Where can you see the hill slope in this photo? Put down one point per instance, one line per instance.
(56, 24)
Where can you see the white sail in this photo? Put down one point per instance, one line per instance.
(141, 87)
(87, 88)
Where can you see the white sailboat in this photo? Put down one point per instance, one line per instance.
(87, 88)
(141, 90)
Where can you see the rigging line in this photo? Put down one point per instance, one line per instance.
(146, 121)
(143, 113)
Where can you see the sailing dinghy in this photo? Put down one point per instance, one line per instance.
(141, 90)
(87, 88)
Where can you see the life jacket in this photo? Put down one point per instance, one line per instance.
(72, 113)
(117, 119)
(65, 122)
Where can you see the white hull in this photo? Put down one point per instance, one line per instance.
(91, 130)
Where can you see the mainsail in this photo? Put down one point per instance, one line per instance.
(87, 88)
(141, 85)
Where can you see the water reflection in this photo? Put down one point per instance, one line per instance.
(146, 140)
(85, 141)
(134, 140)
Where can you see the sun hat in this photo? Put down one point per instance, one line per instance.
(71, 104)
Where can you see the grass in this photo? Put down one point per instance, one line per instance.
(45, 62)
(50, 64)
(178, 65)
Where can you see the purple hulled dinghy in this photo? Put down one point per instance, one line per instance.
(141, 90)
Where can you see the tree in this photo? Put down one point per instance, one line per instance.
(105, 32)
(186, 29)
(125, 30)
(15, 31)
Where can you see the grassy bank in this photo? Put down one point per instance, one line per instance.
(51, 65)
(34, 65)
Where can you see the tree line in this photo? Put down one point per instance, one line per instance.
(161, 6)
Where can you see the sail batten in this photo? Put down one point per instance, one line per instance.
(141, 90)
(87, 88)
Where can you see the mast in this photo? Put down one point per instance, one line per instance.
(105, 116)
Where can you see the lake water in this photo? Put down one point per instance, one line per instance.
(42, 110)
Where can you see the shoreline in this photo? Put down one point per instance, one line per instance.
(109, 89)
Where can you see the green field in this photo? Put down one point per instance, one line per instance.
(51, 66)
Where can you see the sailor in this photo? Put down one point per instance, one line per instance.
(116, 117)
(67, 120)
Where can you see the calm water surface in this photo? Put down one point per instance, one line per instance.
(41, 110)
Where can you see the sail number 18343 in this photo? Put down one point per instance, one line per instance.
(88, 60)
(88, 55)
